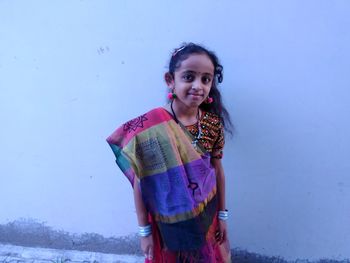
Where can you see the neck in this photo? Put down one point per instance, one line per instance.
(187, 115)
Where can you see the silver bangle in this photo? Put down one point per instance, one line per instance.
(223, 215)
(145, 231)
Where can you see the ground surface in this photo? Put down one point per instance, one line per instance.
(18, 254)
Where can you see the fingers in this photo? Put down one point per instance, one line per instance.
(150, 253)
(223, 237)
(220, 236)
(147, 248)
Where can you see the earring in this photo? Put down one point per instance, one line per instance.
(209, 100)
(171, 96)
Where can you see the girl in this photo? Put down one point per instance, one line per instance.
(172, 157)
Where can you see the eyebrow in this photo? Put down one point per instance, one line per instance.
(195, 72)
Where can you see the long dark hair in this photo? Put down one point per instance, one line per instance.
(182, 53)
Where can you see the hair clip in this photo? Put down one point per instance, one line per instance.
(178, 50)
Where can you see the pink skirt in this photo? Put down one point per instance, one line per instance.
(210, 252)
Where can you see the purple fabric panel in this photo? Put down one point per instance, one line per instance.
(180, 189)
(202, 176)
(167, 193)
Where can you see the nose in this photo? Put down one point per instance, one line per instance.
(196, 85)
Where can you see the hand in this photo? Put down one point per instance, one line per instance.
(147, 247)
(221, 232)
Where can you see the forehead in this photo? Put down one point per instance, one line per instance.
(198, 63)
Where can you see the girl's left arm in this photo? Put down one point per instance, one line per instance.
(221, 233)
(220, 182)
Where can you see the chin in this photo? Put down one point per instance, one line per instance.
(195, 103)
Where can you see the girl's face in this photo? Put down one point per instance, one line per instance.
(193, 80)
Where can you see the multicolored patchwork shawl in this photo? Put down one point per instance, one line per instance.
(177, 180)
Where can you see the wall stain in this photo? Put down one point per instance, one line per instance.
(103, 49)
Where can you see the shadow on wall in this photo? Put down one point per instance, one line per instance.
(31, 233)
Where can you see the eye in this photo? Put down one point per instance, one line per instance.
(206, 79)
(188, 77)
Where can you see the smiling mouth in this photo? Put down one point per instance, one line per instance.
(195, 95)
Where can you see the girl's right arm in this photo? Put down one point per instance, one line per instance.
(142, 218)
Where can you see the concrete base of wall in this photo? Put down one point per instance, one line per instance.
(18, 254)
(30, 233)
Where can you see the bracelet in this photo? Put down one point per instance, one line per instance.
(223, 215)
(145, 231)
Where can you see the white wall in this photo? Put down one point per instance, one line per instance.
(72, 71)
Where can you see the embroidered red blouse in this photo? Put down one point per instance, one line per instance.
(212, 133)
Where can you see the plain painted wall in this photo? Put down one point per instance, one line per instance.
(72, 71)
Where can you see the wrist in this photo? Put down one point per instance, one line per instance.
(145, 231)
(223, 215)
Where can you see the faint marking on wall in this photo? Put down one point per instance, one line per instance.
(102, 50)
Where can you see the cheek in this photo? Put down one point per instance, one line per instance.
(183, 86)
(208, 89)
